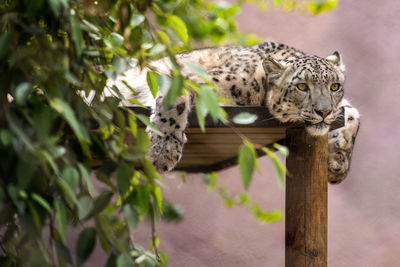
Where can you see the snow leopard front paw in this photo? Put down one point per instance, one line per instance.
(341, 144)
(338, 166)
(166, 151)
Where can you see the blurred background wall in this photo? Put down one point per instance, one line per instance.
(364, 213)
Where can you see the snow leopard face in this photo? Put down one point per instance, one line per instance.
(306, 89)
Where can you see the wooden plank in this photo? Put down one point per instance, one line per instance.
(237, 129)
(204, 161)
(209, 155)
(264, 118)
(306, 199)
(207, 148)
(220, 142)
(232, 138)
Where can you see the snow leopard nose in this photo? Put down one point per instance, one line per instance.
(323, 113)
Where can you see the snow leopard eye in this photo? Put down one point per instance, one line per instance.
(335, 87)
(302, 86)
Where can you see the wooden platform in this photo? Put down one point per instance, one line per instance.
(217, 148)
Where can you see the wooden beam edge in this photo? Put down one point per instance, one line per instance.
(264, 118)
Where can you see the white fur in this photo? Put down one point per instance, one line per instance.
(137, 79)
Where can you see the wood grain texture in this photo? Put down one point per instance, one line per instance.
(217, 148)
(306, 199)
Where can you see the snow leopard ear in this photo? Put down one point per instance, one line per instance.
(336, 59)
(272, 69)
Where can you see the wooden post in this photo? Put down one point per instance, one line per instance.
(306, 199)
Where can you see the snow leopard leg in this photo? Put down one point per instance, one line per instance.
(341, 144)
(165, 151)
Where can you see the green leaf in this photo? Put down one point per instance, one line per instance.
(158, 197)
(111, 261)
(131, 216)
(63, 253)
(277, 2)
(116, 39)
(201, 113)
(245, 118)
(152, 82)
(317, 7)
(86, 177)
(61, 218)
(6, 137)
(68, 192)
(50, 159)
(172, 213)
(174, 92)
(71, 176)
(136, 19)
(227, 197)
(22, 91)
(211, 179)
(85, 207)
(157, 49)
(43, 118)
(67, 112)
(155, 242)
(266, 216)
(143, 198)
(16, 127)
(106, 233)
(164, 37)
(209, 101)
(124, 176)
(35, 216)
(15, 197)
(57, 5)
(283, 149)
(247, 163)
(244, 198)
(102, 200)
(4, 44)
(119, 120)
(262, 5)
(120, 65)
(88, 26)
(164, 83)
(146, 121)
(85, 245)
(179, 27)
(76, 34)
(25, 172)
(136, 102)
(105, 178)
(149, 170)
(279, 167)
(125, 260)
(196, 68)
(142, 141)
(43, 202)
(132, 123)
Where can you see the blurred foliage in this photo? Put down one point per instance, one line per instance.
(248, 163)
(56, 124)
(243, 199)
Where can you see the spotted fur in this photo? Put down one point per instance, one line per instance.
(264, 74)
